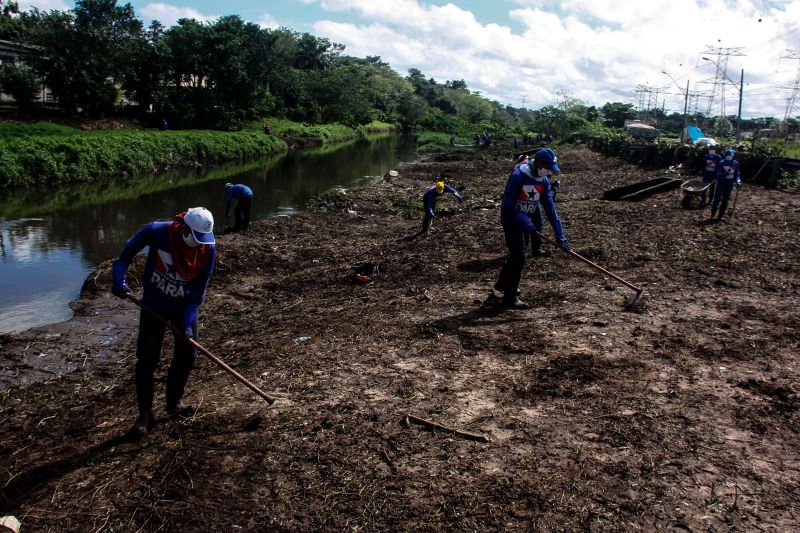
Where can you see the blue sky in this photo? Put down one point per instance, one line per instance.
(529, 52)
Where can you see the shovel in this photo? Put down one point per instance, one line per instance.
(205, 352)
(630, 301)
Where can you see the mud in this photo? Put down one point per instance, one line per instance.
(678, 415)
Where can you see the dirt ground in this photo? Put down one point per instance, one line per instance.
(679, 415)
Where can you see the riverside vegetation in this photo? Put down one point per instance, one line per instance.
(45, 153)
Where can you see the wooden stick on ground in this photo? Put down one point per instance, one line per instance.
(434, 425)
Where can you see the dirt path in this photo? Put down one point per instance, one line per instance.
(681, 417)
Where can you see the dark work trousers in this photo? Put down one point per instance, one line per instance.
(722, 193)
(517, 243)
(426, 223)
(241, 213)
(148, 354)
(710, 191)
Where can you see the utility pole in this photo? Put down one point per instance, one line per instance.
(685, 109)
(685, 101)
(739, 116)
(717, 98)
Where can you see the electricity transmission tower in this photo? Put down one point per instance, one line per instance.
(647, 100)
(793, 101)
(716, 102)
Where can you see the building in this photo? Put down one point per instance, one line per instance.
(15, 54)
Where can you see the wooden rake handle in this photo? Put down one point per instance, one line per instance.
(205, 352)
(594, 265)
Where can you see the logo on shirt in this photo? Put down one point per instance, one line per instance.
(529, 197)
(165, 276)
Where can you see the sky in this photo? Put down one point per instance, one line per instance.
(529, 53)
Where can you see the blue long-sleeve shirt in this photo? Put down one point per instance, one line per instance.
(431, 196)
(728, 173)
(165, 291)
(237, 192)
(523, 195)
(710, 163)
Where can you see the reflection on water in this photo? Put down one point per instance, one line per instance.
(51, 239)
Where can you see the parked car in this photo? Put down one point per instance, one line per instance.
(705, 141)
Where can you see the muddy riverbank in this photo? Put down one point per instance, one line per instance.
(681, 416)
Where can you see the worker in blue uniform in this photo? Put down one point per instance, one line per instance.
(728, 177)
(709, 172)
(244, 202)
(180, 261)
(429, 200)
(527, 192)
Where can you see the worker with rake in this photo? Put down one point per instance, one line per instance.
(429, 200)
(528, 190)
(727, 178)
(179, 264)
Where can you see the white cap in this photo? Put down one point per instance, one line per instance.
(200, 220)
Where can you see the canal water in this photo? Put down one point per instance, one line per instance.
(51, 239)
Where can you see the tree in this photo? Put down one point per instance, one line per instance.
(315, 53)
(86, 52)
(614, 114)
(21, 83)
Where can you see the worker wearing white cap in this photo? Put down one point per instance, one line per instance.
(179, 264)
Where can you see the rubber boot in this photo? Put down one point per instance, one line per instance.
(145, 422)
(176, 383)
(516, 303)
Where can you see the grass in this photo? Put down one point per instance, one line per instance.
(10, 131)
(431, 141)
(323, 134)
(36, 160)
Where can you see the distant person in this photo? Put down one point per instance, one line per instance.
(527, 191)
(477, 140)
(244, 202)
(179, 264)
(548, 139)
(266, 128)
(728, 177)
(452, 139)
(429, 200)
(164, 125)
(709, 172)
(515, 144)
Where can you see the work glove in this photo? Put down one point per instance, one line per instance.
(121, 291)
(188, 333)
(738, 184)
(564, 243)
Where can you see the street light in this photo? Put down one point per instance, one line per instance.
(685, 100)
(741, 90)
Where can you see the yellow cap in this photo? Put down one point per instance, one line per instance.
(440, 187)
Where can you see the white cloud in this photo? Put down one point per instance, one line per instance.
(597, 50)
(168, 14)
(268, 21)
(44, 5)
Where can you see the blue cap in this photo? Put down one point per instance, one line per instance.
(548, 158)
(728, 152)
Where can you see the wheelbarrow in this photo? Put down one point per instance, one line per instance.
(696, 188)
